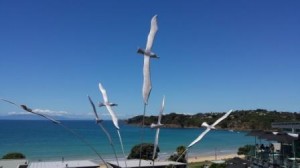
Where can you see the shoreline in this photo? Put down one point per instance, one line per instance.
(202, 158)
(191, 159)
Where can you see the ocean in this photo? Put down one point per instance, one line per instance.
(43, 140)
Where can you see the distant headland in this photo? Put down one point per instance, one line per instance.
(259, 119)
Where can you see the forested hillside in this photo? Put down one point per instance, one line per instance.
(238, 120)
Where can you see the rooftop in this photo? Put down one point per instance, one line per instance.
(294, 125)
(12, 163)
(144, 163)
(63, 164)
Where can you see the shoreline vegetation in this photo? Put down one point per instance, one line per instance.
(240, 120)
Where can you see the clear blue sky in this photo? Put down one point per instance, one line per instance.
(214, 55)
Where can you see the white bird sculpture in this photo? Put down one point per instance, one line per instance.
(158, 126)
(147, 55)
(108, 106)
(37, 112)
(113, 115)
(208, 128)
(99, 122)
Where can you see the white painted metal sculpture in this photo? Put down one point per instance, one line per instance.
(113, 115)
(208, 128)
(158, 126)
(99, 122)
(147, 55)
(146, 72)
(37, 112)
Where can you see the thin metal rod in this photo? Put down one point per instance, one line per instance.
(181, 155)
(121, 142)
(255, 147)
(154, 150)
(142, 134)
(84, 141)
(25, 108)
(153, 163)
(110, 142)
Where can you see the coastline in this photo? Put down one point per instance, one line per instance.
(203, 158)
(52, 143)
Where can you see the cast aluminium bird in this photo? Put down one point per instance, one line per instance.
(208, 128)
(113, 116)
(147, 55)
(158, 126)
(99, 122)
(108, 106)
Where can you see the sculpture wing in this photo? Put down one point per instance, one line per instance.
(147, 79)
(199, 137)
(161, 110)
(222, 118)
(155, 143)
(94, 108)
(113, 116)
(104, 95)
(97, 118)
(151, 35)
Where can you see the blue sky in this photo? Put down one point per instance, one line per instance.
(214, 55)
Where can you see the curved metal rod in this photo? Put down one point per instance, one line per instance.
(25, 108)
(142, 134)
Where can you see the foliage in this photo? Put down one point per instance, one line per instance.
(207, 164)
(259, 119)
(198, 165)
(147, 151)
(214, 165)
(179, 152)
(14, 155)
(245, 149)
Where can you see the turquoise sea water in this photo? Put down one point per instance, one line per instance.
(43, 140)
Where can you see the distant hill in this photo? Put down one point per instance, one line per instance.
(30, 117)
(20, 117)
(238, 120)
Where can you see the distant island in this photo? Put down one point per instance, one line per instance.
(259, 119)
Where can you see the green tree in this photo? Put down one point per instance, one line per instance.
(147, 151)
(14, 155)
(214, 165)
(179, 153)
(245, 149)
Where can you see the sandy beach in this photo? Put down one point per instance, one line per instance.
(203, 158)
(212, 157)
